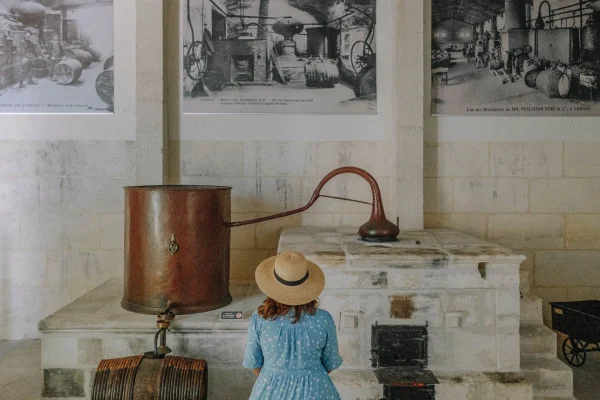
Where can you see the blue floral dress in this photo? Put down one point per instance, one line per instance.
(294, 358)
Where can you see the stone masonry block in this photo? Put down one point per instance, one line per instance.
(539, 159)
(581, 159)
(89, 351)
(557, 195)
(94, 194)
(10, 230)
(477, 308)
(474, 224)
(243, 237)
(64, 382)
(438, 195)
(567, 268)
(583, 231)
(374, 157)
(534, 231)
(84, 232)
(93, 267)
(223, 159)
(111, 158)
(508, 300)
(19, 194)
(268, 232)
(220, 350)
(244, 263)
(32, 269)
(350, 350)
(112, 233)
(448, 159)
(264, 194)
(472, 351)
(507, 342)
(280, 159)
(490, 195)
(42, 231)
(59, 352)
(28, 158)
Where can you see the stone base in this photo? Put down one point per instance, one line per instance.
(95, 327)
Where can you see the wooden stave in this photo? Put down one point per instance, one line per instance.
(75, 67)
(545, 83)
(80, 55)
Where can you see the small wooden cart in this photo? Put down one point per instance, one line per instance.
(580, 320)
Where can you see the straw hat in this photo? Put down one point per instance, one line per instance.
(290, 279)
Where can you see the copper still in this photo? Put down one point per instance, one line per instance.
(177, 243)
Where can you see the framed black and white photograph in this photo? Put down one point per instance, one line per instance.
(279, 56)
(56, 56)
(515, 57)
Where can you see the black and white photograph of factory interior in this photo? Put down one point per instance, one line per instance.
(56, 56)
(515, 57)
(279, 56)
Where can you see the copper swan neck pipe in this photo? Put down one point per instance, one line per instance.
(377, 229)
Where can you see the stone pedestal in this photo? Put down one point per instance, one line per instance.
(464, 289)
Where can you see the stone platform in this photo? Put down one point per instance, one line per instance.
(464, 289)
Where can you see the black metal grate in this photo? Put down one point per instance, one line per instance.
(399, 346)
(400, 361)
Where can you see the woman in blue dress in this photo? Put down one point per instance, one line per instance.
(292, 344)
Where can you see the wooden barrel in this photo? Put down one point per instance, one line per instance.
(496, 64)
(110, 62)
(553, 83)
(95, 53)
(105, 86)
(321, 74)
(140, 378)
(530, 71)
(531, 77)
(68, 71)
(82, 56)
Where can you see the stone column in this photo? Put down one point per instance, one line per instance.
(410, 118)
(151, 140)
(514, 14)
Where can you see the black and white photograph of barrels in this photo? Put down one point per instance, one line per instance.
(56, 56)
(279, 56)
(515, 57)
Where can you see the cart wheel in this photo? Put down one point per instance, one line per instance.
(196, 61)
(574, 352)
(360, 54)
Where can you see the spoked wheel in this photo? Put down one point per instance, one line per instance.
(196, 61)
(360, 54)
(574, 351)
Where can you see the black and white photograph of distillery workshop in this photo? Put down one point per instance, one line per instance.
(56, 56)
(515, 57)
(280, 56)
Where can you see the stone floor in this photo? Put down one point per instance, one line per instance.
(20, 377)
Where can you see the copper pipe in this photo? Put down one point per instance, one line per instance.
(377, 229)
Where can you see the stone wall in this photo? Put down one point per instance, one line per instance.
(61, 235)
(541, 198)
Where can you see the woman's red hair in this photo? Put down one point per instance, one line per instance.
(271, 309)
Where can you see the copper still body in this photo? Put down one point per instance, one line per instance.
(177, 244)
